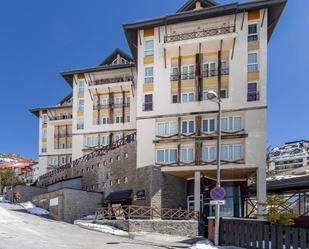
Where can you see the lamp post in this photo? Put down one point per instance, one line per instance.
(213, 96)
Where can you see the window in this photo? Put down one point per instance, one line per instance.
(104, 102)
(149, 48)
(128, 101)
(210, 69)
(252, 32)
(166, 128)
(81, 105)
(209, 153)
(208, 125)
(118, 158)
(105, 140)
(224, 68)
(231, 124)
(81, 86)
(125, 179)
(92, 141)
(118, 181)
(166, 155)
(187, 154)
(253, 94)
(128, 119)
(187, 127)
(174, 98)
(110, 183)
(118, 101)
(253, 62)
(44, 119)
(223, 94)
(118, 119)
(104, 120)
(232, 152)
(148, 75)
(187, 97)
(44, 148)
(174, 73)
(148, 105)
(187, 72)
(80, 123)
(44, 133)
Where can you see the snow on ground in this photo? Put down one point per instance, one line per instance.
(206, 244)
(102, 228)
(32, 209)
(3, 200)
(88, 217)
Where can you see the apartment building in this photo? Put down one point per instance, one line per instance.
(205, 46)
(103, 102)
(161, 94)
(55, 136)
(291, 158)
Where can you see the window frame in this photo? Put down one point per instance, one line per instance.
(253, 64)
(208, 152)
(187, 148)
(189, 75)
(208, 119)
(257, 90)
(148, 79)
(150, 51)
(188, 97)
(228, 123)
(164, 155)
(253, 34)
(188, 125)
(165, 128)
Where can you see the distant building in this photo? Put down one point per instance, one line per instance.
(290, 158)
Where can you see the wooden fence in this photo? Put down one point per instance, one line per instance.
(139, 212)
(259, 234)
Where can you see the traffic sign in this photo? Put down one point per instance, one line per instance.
(218, 193)
(221, 202)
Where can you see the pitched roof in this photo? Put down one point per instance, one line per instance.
(106, 64)
(110, 58)
(190, 5)
(275, 8)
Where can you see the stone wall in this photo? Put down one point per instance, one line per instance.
(69, 204)
(173, 227)
(74, 183)
(23, 192)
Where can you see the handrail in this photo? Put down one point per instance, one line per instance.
(111, 80)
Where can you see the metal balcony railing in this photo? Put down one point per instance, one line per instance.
(148, 106)
(198, 34)
(111, 80)
(215, 72)
(253, 96)
(61, 117)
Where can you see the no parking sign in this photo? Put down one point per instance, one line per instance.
(218, 193)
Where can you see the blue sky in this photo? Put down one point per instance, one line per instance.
(39, 39)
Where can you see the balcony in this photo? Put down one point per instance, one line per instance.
(101, 107)
(199, 34)
(111, 80)
(215, 72)
(61, 135)
(115, 105)
(61, 117)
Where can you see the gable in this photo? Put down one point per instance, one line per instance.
(190, 5)
(117, 57)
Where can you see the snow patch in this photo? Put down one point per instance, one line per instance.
(88, 217)
(102, 228)
(32, 209)
(206, 244)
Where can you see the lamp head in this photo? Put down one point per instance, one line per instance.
(212, 96)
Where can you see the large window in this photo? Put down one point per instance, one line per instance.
(187, 97)
(81, 105)
(80, 123)
(187, 154)
(187, 127)
(209, 153)
(253, 65)
(253, 91)
(92, 141)
(148, 75)
(252, 32)
(166, 128)
(166, 155)
(149, 48)
(188, 72)
(208, 125)
(231, 124)
(232, 152)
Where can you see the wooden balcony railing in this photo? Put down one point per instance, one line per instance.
(198, 34)
(147, 213)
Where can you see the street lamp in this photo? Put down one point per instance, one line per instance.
(213, 96)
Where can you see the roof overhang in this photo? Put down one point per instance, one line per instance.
(275, 8)
(36, 111)
(69, 75)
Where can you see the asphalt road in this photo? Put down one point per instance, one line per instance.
(20, 230)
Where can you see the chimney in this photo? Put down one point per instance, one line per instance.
(198, 4)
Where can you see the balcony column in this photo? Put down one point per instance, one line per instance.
(197, 191)
(261, 193)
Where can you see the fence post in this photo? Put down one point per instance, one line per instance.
(279, 236)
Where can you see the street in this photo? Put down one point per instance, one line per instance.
(20, 230)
